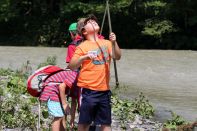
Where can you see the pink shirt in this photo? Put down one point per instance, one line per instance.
(51, 89)
(70, 52)
(71, 48)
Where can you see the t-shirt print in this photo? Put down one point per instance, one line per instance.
(102, 56)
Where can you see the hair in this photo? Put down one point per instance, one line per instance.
(83, 21)
(80, 25)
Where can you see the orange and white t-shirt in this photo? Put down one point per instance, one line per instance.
(95, 74)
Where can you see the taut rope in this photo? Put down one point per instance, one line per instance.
(113, 45)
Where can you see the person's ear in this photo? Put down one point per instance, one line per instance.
(84, 32)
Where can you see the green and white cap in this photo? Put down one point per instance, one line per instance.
(73, 27)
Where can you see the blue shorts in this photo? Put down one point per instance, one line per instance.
(55, 108)
(95, 107)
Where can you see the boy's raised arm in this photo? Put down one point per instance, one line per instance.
(75, 62)
(117, 52)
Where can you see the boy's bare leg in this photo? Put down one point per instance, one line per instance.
(83, 127)
(105, 128)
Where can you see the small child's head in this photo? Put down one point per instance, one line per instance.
(87, 26)
(73, 30)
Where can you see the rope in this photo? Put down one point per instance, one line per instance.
(103, 20)
(113, 45)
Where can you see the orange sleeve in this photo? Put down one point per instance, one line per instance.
(78, 52)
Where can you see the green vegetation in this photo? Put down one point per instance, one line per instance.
(162, 24)
(125, 110)
(174, 122)
(19, 109)
(15, 110)
(177, 123)
(51, 60)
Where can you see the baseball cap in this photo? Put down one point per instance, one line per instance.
(83, 21)
(72, 27)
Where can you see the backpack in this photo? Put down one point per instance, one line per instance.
(35, 82)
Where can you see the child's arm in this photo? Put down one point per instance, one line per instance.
(75, 63)
(117, 51)
(62, 88)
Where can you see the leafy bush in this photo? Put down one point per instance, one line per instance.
(5, 72)
(51, 60)
(18, 109)
(174, 122)
(125, 110)
(122, 110)
(142, 106)
(15, 110)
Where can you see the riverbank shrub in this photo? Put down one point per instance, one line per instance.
(174, 122)
(51, 60)
(140, 105)
(125, 110)
(15, 110)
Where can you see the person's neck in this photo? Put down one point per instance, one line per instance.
(93, 37)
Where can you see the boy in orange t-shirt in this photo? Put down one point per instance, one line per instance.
(94, 57)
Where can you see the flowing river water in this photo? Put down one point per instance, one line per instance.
(168, 78)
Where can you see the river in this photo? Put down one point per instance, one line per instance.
(168, 78)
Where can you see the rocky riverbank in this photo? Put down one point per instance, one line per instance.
(139, 124)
